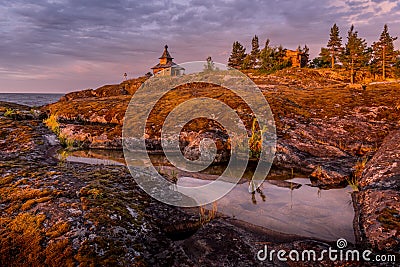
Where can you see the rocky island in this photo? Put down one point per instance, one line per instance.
(55, 212)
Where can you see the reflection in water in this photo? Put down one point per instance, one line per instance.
(288, 206)
(305, 211)
(96, 157)
(253, 192)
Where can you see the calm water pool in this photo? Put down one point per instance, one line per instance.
(307, 211)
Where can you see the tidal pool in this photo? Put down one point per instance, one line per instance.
(302, 210)
(306, 211)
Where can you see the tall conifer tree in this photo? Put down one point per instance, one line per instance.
(383, 52)
(255, 52)
(237, 56)
(355, 53)
(334, 47)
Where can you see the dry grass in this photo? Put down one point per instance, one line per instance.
(207, 215)
(359, 167)
(357, 174)
(397, 106)
(25, 194)
(52, 123)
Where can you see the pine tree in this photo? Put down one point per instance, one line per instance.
(319, 62)
(280, 55)
(273, 58)
(237, 56)
(384, 56)
(325, 57)
(247, 62)
(267, 56)
(306, 56)
(255, 52)
(355, 53)
(334, 46)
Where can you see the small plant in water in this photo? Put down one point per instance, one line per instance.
(353, 183)
(358, 170)
(207, 215)
(255, 189)
(66, 142)
(174, 176)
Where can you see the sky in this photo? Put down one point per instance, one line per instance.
(59, 46)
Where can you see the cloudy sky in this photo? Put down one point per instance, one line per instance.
(66, 45)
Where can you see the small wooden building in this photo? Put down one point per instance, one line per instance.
(167, 67)
(298, 58)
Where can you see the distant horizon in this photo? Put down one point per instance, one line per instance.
(61, 47)
(32, 93)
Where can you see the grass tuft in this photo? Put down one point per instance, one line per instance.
(255, 141)
(9, 112)
(207, 215)
(52, 123)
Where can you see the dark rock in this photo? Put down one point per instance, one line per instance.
(378, 202)
(323, 177)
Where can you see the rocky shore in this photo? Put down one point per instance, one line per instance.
(55, 213)
(62, 213)
(324, 126)
(378, 203)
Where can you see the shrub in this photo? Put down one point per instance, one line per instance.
(52, 123)
(255, 141)
(65, 141)
(359, 167)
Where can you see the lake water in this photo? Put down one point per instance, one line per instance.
(32, 100)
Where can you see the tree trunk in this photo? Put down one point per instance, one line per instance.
(383, 63)
(333, 61)
(352, 71)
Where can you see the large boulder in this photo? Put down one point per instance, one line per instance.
(377, 204)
